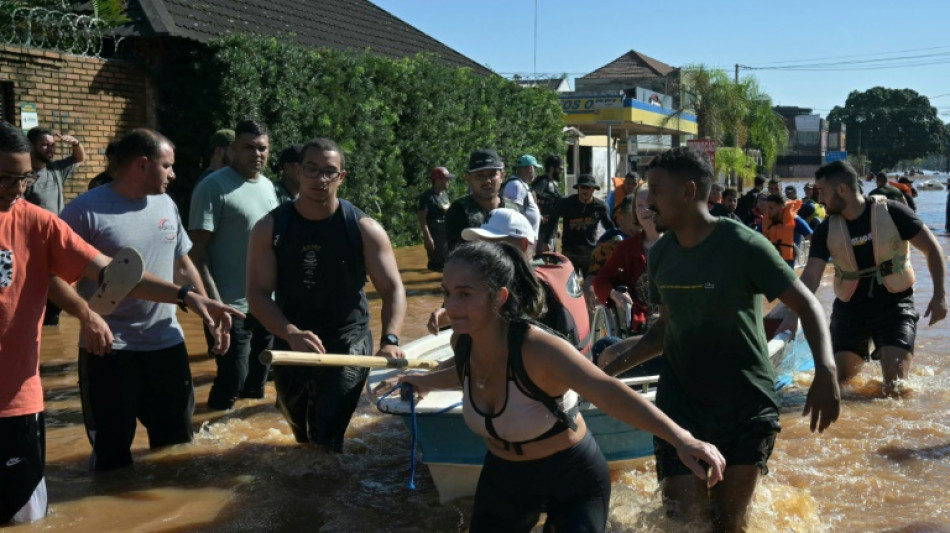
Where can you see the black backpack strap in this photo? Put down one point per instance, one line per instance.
(281, 215)
(463, 352)
(517, 331)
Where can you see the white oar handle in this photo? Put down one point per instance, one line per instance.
(277, 357)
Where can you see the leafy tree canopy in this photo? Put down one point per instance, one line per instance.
(890, 125)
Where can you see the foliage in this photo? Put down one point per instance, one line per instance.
(890, 125)
(395, 119)
(728, 112)
(735, 160)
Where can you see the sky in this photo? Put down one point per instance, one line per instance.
(839, 46)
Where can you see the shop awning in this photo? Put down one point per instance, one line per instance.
(592, 114)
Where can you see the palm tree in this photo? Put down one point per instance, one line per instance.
(733, 114)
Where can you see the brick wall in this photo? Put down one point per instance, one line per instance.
(92, 99)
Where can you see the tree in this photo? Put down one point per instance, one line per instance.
(890, 125)
(734, 113)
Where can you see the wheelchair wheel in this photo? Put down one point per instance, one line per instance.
(603, 323)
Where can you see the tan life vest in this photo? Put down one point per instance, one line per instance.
(892, 266)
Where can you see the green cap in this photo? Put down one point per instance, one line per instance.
(527, 161)
(222, 138)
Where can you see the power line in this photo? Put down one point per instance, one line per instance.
(855, 55)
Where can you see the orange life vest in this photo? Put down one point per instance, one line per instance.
(558, 273)
(892, 266)
(902, 186)
(783, 235)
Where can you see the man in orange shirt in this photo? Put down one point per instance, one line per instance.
(35, 244)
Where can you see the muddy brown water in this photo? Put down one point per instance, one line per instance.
(884, 466)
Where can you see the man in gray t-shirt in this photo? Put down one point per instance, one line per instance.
(47, 192)
(147, 375)
(224, 208)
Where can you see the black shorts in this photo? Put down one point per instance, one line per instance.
(123, 386)
(751, 443)
(318, 402)
(853, 326)
(572, 486)
(22, 462)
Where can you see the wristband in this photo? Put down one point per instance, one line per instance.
(182, 292)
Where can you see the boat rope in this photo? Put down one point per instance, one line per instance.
(408, 392)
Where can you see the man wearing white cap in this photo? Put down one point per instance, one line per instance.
(517, 190)
(566, 310)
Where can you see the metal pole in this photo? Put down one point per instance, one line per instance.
(610, 139)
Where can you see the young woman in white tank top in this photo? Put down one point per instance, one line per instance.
(489, 290)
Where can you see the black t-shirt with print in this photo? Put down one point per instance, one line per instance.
(435, 204)
(580, 223)
(908, 226)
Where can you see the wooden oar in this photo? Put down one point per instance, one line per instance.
(277, 357)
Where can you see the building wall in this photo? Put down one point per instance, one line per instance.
(93, 99)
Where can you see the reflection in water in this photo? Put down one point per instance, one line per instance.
(885, 466)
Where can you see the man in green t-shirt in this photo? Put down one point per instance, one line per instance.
(887, 190)
(718, 382)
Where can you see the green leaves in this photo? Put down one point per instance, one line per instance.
(396, 119)
(890, 125)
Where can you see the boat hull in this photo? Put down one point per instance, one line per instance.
(454, 454)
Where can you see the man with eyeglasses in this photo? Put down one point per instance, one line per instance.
(224, 208)
(47, 191)
(35, 244)
(305, 284)
(485, 170)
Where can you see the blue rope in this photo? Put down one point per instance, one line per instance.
(407, 389)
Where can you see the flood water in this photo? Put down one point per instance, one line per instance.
(884, 466)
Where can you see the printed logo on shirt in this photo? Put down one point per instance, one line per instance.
(6, 268)
(310, 263)
(13, 461)
(860, 240)
(168, 229)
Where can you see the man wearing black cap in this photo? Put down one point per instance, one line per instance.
(288, 185)
(485, 171)
(581, 213)
(432, 207)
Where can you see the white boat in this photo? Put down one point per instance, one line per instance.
(929, 185)
(454, 454)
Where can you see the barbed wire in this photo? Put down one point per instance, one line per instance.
(51, 29)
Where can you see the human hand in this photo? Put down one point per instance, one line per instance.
(691, 451)
(304, 341)
(789, 318)
(97, 334)
(216, 316)
(436, 320)
(429, 244)
(68, 139)
(417, 381)
(824, 398)
(937, 309)
(621, 298)
(391, 351)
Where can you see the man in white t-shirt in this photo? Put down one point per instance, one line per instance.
(518, 191)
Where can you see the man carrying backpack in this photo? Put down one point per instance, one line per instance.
(313, 255)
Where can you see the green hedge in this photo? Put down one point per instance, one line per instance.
(394, 118)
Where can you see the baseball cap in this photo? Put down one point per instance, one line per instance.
(440, 172)
(501, 223)
(527, 160)
(222, 138)
(291, 154)
(484, 160)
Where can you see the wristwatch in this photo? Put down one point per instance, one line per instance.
(182, 292)
(389, 340)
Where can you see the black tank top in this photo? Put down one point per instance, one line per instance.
(320, 275)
